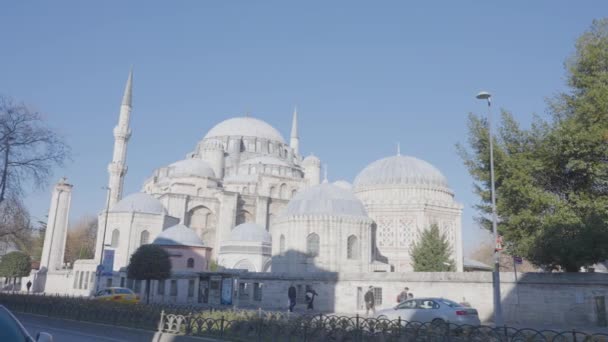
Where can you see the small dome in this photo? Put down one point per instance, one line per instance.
(250, 232)
(141, 203)
(265, 160)
(325, 199)
(191, 167)
(245, 127)
(311, 160)
(343, 184)
(400, 170)
(178, 235)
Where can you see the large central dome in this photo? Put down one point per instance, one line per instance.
(400, 170)
(246, 127)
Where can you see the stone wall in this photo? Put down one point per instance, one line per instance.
(554, 299)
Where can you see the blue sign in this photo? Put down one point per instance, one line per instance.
(107, 262)
(518, 260)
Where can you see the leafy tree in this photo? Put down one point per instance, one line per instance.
(15, 265)
(28, 148)
(431, 253)
(552, 179)
(149, 262)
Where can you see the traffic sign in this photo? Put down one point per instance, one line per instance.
(518, 260)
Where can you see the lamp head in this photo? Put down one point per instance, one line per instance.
(483, 95)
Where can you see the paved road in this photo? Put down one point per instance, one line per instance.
(73, 331)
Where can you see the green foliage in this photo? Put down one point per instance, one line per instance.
(15, 265)
(431, 253)
(149, 262)
(213, 266)
(552, 179)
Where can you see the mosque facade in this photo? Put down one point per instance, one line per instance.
(255, 203)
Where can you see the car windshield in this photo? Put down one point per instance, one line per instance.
(10, 329)
(122, 291)
(450, 303)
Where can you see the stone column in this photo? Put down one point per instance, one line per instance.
(226, 219)
(57, 226)
(261, 215)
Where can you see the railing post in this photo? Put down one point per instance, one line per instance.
(161, 322)
(574, 335)
(222, 327)
(358, 332)
(398, 327)
(188, 323)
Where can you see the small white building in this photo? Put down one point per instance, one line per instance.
(248, 248)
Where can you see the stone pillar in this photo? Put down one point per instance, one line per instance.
(57, 226)
(226, 219)
(261, 215)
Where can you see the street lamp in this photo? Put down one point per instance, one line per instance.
(103, 240)
(496, 274)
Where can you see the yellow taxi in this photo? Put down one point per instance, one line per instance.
(117, 294)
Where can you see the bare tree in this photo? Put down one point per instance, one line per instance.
(15, 226)
(28, 148)
(485, 253)
(80, 242)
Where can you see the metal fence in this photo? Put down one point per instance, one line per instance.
(355, 329)
(247, 325)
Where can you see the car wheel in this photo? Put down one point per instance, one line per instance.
(439, 325)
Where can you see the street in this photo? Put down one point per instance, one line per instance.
(74, 331)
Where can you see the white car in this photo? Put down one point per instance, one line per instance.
(434, 310)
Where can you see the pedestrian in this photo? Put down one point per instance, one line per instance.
(28, 285)
(310, 297)
(291, 294)
(370, 303)
(403, 295)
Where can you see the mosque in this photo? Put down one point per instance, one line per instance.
(246, 199)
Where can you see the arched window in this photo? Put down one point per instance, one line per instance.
(243, 216)
(115, 238)
(312, 245)
(144, 238)
(190, 263)
(202, 220)
(293, 192)
(352, 247)
(283, 191)
(282, 244)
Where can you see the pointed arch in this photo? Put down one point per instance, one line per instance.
(190, 263)
(144, 238)
(203, 221)
(243, 216)
(312, 245)
(244, 265)
(115, 238)
(352, 247)
(283, 191)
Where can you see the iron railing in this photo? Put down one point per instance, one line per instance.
(354, 329)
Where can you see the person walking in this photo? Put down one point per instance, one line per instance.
(29, 286)
(291, 294)
(370, 303)
(403, 296)
(310, 298)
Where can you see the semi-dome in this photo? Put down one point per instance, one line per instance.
(246, 127)
(343, 184)
(325, 199)
(311, 160)
(141, 203)
(265, 160)
(250, 232)
(400, 170)
(191, 167)
(178, 235)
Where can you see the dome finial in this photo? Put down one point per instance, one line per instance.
(325, 174)
(398, 148)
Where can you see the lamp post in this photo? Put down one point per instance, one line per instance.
(103, 239)
(496, 274)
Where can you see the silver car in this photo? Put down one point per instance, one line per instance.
(434, 310)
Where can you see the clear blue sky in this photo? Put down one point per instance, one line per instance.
(364, 75)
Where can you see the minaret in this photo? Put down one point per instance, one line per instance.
(118, 168)
(53, 248)
(294, 142)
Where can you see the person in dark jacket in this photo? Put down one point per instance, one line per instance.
(310, 298)
(370, 303)
(291, 294)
